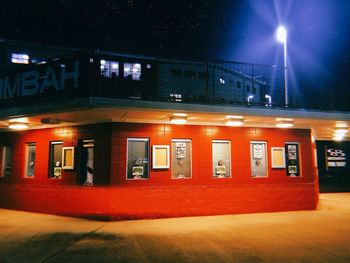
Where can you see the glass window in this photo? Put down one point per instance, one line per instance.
(55, 165)
(181, 154)
(138, 158)
(30, 159)
(258, 159)
(19, 58)
(238, 84)
(109, 69)
(132, 71)
(221, 158)
(6, 160)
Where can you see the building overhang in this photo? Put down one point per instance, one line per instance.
(97, 110)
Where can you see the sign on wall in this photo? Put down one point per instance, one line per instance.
(41, 79)
(336, 158)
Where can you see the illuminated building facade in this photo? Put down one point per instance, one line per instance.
(116, 136)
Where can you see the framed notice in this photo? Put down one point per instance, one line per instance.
(68, 158)
(160, 156)
(180, 150)
(278, 157)
(257, 151)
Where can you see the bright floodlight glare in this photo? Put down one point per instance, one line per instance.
(281, 34)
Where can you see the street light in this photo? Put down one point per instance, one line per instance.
(281, 35)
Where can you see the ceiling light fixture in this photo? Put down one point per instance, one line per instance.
(340, 131)
(284, 124)
(178, 120)
(234, 120)
(18, 126)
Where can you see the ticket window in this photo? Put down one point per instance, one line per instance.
(30, 159)
(181, 153)
(258, 159)
(138, 159)
(6, 160)
(55, 165)
(86, 162)
(221, 158)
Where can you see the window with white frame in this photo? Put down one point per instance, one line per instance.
(221, 150)
(19, 58)
(6, 160)
(137, 158)
(30, 159)
(132, 71)
(181, 159)
(55, 164)
(109, 69)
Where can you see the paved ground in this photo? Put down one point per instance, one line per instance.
(304, 236)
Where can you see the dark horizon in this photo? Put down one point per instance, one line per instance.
(240, 30)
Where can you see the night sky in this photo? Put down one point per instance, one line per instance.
(241, 30)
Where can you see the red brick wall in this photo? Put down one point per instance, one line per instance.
(160, 196)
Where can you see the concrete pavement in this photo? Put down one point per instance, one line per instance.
(304, 236)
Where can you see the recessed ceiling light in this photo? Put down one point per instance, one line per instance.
(285, 123)
(338, 138)
(234, 122)
(180, 114)
(177, 120)
(18, 126)
(340, 131)
(341, 125)
(234, 117)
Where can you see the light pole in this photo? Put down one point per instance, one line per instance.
(281, 35)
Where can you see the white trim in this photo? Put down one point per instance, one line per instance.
(66, 167)
(139, 139)
(181, 140)
(221, 141)
(56, 142)
(154, 147)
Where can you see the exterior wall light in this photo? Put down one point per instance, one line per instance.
(18, 126)
(178, 120)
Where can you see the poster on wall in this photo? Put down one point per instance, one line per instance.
(292, 159)
(336, 158)
(292, 152)
(257, 151)
(180, 150)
